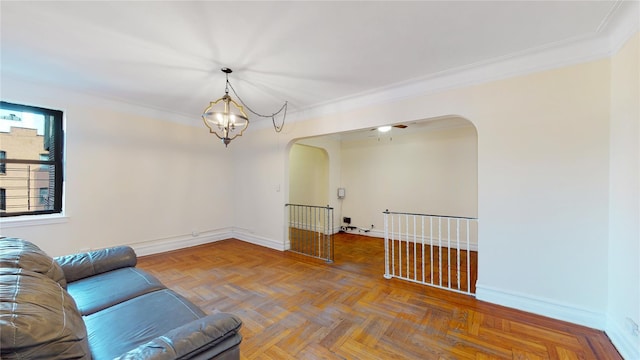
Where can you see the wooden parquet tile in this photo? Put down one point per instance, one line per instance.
(294, 307)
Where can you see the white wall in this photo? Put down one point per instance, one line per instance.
(130, 179)
(543, 157)
(624, 207)
(428, 172)
(261, 157)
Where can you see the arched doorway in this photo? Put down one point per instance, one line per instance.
(309, 217)
(308, 175)
(423, 167)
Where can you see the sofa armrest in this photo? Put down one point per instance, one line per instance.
(211, 335)
(82, 265)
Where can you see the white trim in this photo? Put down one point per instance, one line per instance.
(620, 25)
(541, 306)
(427, 240)
(180, 242)
(579, 50)
(245, 235)
(628, 346)
(71, 96)
(617, 28)
(32, 220)
(626, 24)
(371, 233)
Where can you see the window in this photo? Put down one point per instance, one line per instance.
(43, 196)
(44, 157)
(3, 199)
(31, 153)
(3, 166)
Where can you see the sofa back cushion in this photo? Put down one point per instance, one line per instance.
(21, 254)
(39, 319)
(83, 265)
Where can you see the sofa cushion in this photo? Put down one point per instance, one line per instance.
(21, 254)
(210, 337)
(123, 327)
(82, 265)
(39, 319)
(101, 291)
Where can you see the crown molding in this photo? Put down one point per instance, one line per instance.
(622, 24)
(615, 30)
(17, 89)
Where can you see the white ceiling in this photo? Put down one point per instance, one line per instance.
(167, 55)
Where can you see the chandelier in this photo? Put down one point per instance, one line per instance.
(227, 119)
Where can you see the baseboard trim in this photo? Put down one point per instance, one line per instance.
(180, 242)
(541, 306)
(246, 236)
(427, 241)
(627, 346)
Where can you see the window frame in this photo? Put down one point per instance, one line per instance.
(56, 132)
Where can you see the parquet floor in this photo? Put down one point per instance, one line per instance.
(312, 243)
(441, 269)
(295, 307)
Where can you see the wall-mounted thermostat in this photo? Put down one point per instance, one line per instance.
(341, 193)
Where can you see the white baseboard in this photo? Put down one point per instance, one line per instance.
(188, 240)
(540, 306)
(180, 242)
(627, 345)
(244, 235)
(380, 234)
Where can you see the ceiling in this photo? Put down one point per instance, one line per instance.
(167, 55)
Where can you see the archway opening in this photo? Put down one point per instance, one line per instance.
(423, 167)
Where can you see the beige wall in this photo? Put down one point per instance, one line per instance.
(432, 170)
(130, 179)
(543, 148)
(624, 207)
(428, 172)
(308, 175)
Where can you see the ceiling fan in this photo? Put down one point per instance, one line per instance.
(386, 128)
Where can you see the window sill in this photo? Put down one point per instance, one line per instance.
(32, 220)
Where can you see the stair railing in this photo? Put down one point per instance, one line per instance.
(433, 250)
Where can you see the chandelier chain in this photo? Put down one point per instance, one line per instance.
(272, 116)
